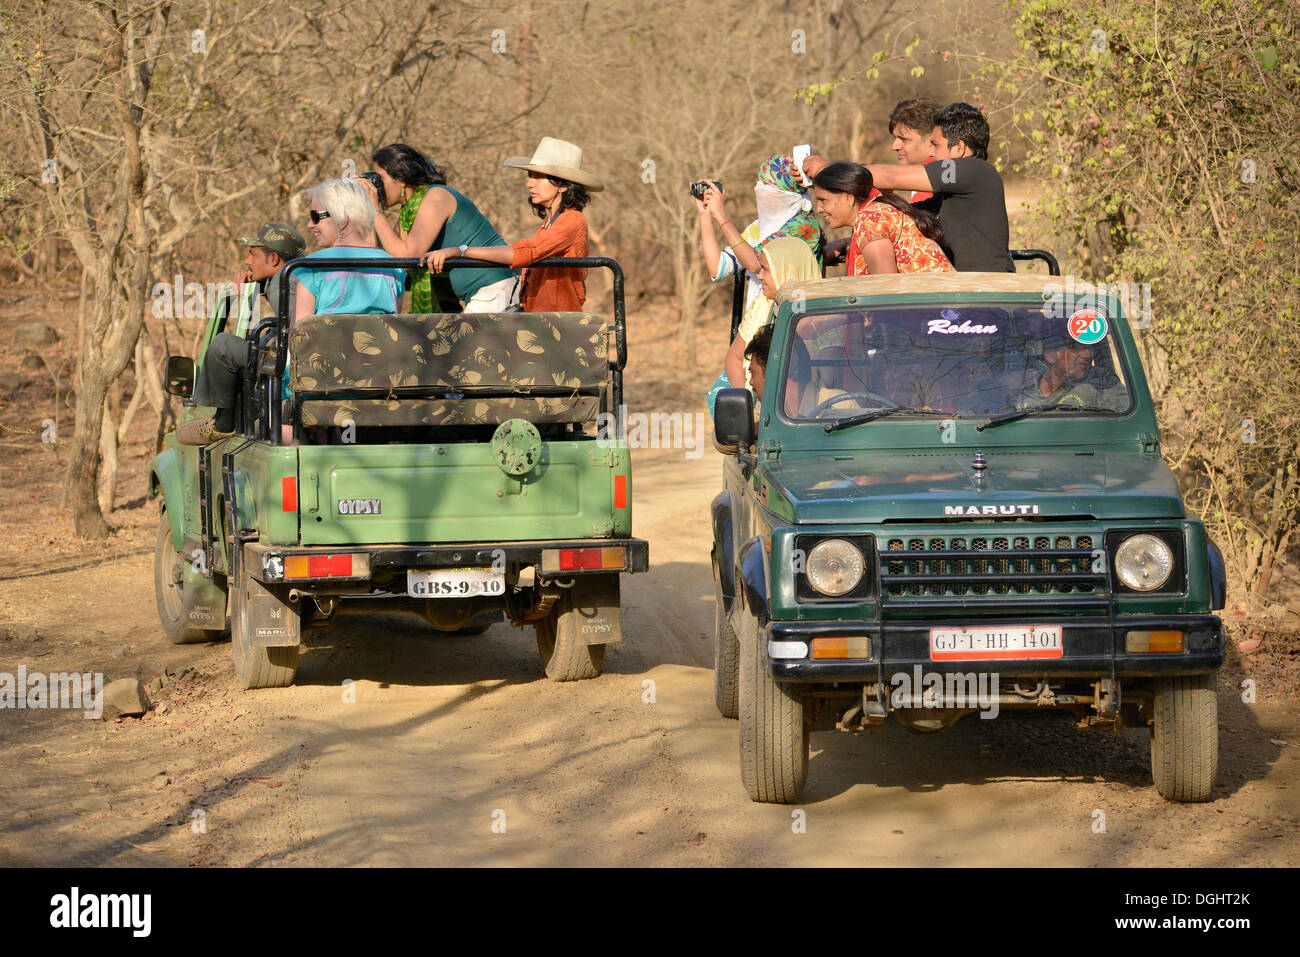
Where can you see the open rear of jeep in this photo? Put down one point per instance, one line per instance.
(953, 503)
(445, 465)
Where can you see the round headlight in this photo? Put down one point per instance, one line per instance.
(1143, 562)
(835, 567)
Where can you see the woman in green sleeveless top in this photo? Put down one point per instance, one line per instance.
(434, 215)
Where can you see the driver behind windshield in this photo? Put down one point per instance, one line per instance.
(1070, 378)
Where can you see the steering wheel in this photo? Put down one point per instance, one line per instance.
(836, 399)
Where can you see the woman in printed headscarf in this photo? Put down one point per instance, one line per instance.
(784, 210)
(782, 259)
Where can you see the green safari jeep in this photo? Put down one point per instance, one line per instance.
(953, 501)
(445, 465)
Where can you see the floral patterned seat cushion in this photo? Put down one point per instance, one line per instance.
(504, 355)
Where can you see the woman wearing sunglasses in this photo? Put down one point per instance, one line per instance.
(432, 212)
(342, 219)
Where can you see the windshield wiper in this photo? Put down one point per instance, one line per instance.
(1025, 413)
(872, 416)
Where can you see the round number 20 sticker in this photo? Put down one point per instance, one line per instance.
(1087, 326)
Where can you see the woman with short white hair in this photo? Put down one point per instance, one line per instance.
(342, 220)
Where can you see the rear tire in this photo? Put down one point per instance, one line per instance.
(565, 656)
(726, 660)
(774, 734)
(256, 666)
(1185, 737)
(174, 603)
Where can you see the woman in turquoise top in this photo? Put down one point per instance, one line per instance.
(433, 216)
(341, 221)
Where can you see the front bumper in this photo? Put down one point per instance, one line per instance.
(1091, 648)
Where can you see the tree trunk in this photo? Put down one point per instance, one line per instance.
(82, 494)
(151, 382)
(686, 297)
(137, 394)
(106, 485)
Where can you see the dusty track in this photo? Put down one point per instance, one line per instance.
(447, 731)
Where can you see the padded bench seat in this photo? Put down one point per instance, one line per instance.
(492, 360)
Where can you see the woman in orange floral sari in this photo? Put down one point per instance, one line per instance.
(889, 235)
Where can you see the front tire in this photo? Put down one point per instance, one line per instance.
(1185, 737)
(774, 733)
(174, 602)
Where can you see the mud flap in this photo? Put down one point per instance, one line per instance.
(595, 602)
(207, 602)
(272, 621)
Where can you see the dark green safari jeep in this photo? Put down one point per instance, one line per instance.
(952, 501)
(446, 465)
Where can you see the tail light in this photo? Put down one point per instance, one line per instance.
(598, 558)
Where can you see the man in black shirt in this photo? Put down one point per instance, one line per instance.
(968, 195)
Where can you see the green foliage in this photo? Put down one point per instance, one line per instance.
(1172, 159)
(810, 93)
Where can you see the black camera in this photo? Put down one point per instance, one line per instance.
(373, 178)
(698, 189)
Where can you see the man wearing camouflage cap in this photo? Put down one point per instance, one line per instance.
(269, 249)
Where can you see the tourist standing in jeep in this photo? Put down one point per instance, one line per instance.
(435, 215)
(557, 192)
(969, 198)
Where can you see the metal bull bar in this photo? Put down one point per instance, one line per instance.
(272, 376)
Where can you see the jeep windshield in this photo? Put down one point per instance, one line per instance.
(984, 360)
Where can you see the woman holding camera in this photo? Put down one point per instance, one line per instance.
(784, 209)
(432, 214)
(557, 191)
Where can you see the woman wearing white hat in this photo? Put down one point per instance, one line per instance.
(557, 191)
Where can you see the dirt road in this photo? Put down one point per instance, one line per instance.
(456, 751)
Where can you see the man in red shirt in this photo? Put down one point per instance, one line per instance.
(910, 123)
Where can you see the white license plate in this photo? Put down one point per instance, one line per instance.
(974, 644)
(454, 582)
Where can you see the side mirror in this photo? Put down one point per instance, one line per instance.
(180, 376)
(733, 420)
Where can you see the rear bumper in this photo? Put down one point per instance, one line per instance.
(1092, 647)
(386, 559)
